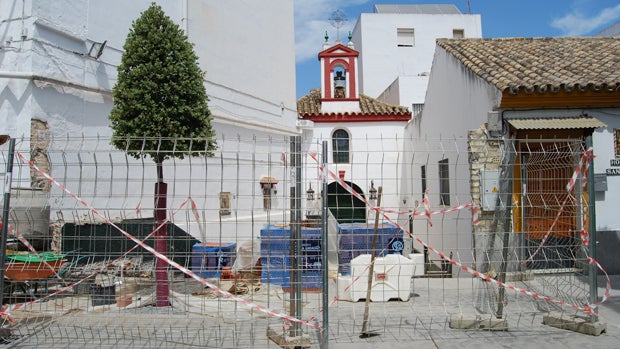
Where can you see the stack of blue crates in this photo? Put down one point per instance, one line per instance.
(209, 259)
(356, 239)
(275, 256)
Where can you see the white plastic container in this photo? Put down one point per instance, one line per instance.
(418, 263)
(391, 279)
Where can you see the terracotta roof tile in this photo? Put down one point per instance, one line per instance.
(541, 64)
(310, 104)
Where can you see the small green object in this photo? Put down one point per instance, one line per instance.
(34, 258)
(326, 36)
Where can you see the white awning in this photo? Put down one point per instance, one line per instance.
(555, 123)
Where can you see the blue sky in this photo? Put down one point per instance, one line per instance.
(500, 18)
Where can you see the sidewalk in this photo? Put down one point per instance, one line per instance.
(421, 322)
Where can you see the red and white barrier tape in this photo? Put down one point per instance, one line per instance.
(427, 208)
(582, 167)
(170, 262)
(588, 309)
(28, 245)
(5, 313)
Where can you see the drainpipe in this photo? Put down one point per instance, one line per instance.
(185, 20)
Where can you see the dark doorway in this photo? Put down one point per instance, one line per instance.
(343, 205)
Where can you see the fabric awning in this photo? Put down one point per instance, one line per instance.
(555, 123)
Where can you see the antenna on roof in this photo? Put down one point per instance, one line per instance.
(337, 20)
(468, 7)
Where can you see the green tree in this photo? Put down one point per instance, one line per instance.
(160, 110)
(160, 103)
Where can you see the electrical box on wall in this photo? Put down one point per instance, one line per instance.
(600, 182)
(494, 121)
(489, 187)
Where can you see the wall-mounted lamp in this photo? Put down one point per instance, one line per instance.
(372, 191)
(310, 193)
(268, 184)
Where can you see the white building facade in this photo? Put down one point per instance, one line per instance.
(397, 43)
(475, 94)
(364, 135)
(59, 46)
(58, 64)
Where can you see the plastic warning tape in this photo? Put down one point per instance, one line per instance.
(6, 310)
(586, 158)
(588, 309)
(426, 202)
(28, 245)
(251, 305)
(582, 167)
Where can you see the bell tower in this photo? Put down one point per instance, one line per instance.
(339, 87)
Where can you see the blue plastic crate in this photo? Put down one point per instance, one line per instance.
(275, 270)
(275, 244)
(208, 259)
(356, 239)
(275, 252)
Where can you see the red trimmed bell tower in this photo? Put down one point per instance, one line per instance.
(339, 87)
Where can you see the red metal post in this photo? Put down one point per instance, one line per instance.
(161, 245)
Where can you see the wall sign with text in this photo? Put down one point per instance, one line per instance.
(615, 163)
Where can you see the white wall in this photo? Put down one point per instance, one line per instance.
(245, 48)
(608, 201)
(248, 52)
(381, 60)
(441, 133)
(470, 98)
(405, 88)
(375, 155)
(248, 92)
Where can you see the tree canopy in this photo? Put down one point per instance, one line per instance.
(160, 103)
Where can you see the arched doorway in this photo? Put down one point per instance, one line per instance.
(345, 207)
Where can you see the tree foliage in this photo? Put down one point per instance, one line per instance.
(160, 103)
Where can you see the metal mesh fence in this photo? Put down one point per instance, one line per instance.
(460, 228)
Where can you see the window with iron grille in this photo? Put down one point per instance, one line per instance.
(340, 146)
(423, 176)
(444, 182)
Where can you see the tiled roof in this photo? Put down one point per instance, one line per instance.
(310, 104)
(541, 64)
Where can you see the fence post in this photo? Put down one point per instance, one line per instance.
(5, 214)
(324, 251)
(593, 270)
(295, 235)
(503, 216)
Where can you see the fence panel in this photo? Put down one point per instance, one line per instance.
(462, 229)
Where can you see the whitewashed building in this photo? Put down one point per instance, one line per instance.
(58, 62)
(397, 43)
(486, 94)
(364, 135)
